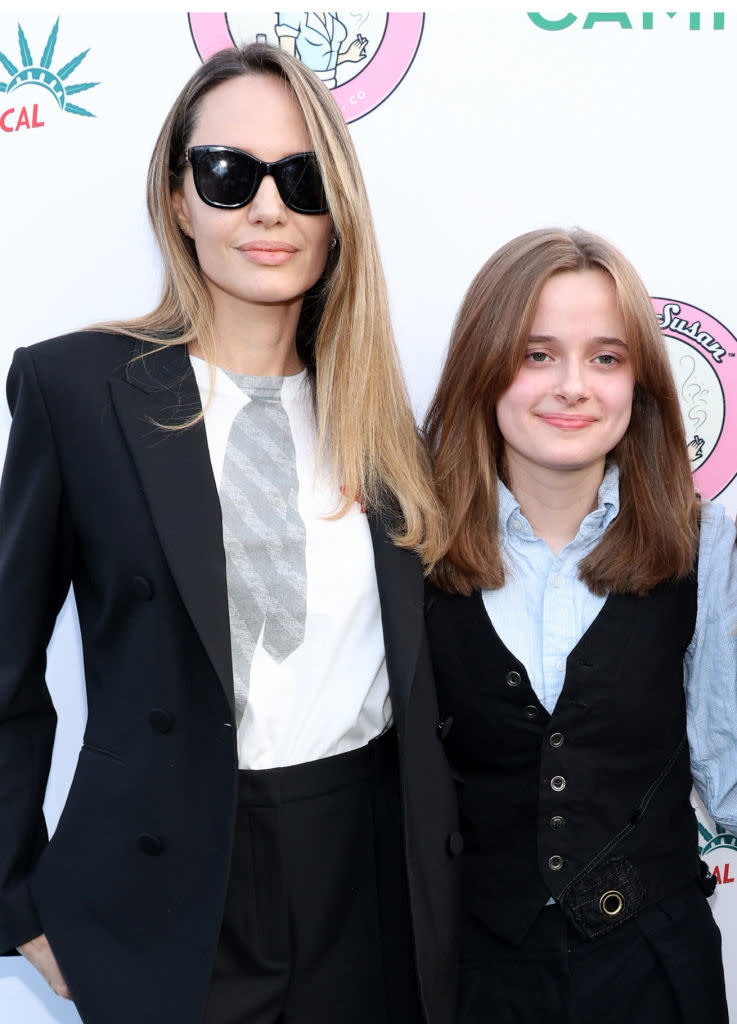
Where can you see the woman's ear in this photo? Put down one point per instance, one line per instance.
(181, 212)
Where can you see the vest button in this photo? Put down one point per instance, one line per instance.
(556, 862)
(557, 783)
(531, 711)
(557, 821)
(445, 726)
(152, 845)
(557, 739)
(513, 678)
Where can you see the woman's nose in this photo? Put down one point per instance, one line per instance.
(267, 206)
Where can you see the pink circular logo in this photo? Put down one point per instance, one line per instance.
(362, 57)
(703, 357)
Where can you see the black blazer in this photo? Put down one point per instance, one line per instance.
(130, 889)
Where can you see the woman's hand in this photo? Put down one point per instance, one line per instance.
(38, 952)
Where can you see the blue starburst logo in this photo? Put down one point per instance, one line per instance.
(713, 841)
(41, 73)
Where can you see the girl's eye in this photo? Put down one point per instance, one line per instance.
(537, 357)
(606, 359)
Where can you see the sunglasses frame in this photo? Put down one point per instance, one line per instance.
(195, 154)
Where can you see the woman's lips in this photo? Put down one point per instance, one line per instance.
(566, 422)
(268, 254)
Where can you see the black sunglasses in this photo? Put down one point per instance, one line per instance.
(227, 178)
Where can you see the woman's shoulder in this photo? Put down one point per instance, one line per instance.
(83, 349)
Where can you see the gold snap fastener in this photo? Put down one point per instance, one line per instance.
(611, 903)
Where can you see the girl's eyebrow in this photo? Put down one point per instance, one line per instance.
(599, 339)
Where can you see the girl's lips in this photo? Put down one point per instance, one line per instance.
(567, 422)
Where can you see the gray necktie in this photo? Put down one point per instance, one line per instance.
(263, 532)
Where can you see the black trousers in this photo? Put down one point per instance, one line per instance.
(662, 967)
(317, 925)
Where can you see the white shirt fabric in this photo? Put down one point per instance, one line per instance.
(331, 694)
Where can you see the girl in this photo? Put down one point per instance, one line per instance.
(582, 629)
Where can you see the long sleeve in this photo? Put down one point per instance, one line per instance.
(710, 670)
(35, 555)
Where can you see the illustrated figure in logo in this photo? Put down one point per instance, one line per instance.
(262, 824)
(316, 37)
(581, 625)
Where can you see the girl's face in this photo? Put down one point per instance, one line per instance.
(261, 254)
(571, 401)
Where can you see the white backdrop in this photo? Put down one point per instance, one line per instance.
(621, 122)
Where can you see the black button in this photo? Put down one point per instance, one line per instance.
(557, 821)
(531, 711)
(161, 721)
(142, 588)
(445, 726)
(455, 844)
(557, 739)
(152, 845)
(556, 862)
(513, 678)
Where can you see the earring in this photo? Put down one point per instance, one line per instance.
(333, 243)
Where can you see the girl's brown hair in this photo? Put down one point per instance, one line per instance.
(655, 535)
(344, 335)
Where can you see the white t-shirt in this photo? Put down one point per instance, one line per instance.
(331, 693)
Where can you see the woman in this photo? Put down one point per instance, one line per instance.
(567, 614)
(234, 844)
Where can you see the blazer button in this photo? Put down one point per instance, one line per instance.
(556, 862)
(557, 822)
(445, 726)
(160, 720)
(531, 711)
(557, 739)
(455, 844)
(142, 588)
(513, 678)
(152, 845)
(557, 783)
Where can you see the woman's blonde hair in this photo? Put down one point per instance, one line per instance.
(344, 334)
(655, 535)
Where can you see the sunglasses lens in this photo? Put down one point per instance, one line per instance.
(300, 184)
(226, 178)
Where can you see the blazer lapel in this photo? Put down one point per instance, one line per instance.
(176, 475)
(401, 594)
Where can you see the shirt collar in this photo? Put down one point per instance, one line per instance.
(607, 506)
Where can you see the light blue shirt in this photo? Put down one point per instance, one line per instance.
(543, 610)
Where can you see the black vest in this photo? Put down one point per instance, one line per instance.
(589, 805)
